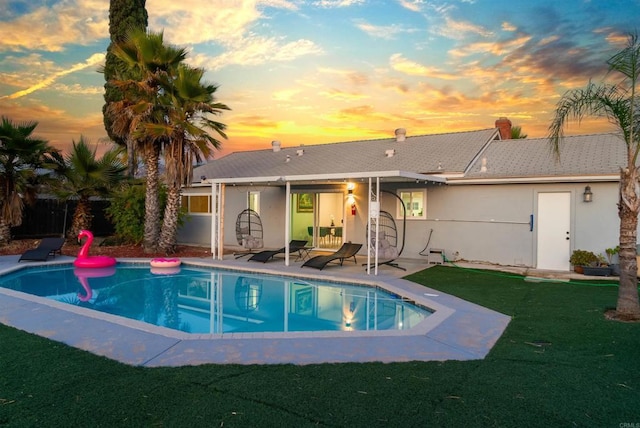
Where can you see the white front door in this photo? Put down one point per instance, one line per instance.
(554, 226)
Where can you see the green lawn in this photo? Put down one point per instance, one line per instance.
(559, 364)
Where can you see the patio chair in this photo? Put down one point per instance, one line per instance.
(248, 232)
(347, 251)
(387, 241)
(264, 256)
(47, 247)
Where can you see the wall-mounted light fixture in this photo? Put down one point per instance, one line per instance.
(587, 196)
(350, 197)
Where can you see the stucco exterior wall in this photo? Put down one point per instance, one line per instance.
(197, 228)
(479, 222)
(491, 223)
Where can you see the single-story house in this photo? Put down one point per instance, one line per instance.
(476, 196)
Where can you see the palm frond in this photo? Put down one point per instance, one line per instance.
(603, 100)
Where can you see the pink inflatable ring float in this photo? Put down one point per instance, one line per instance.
(165, 271)
(161, 262)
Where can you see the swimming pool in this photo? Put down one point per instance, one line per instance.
(216, 301)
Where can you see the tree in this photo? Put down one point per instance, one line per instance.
(124, 15)
(20, 155)
(146, 61)
(619, 105)
(80, 175)
(188, 105)
(516, 133)
(126, 211)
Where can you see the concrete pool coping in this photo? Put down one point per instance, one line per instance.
(457, 330)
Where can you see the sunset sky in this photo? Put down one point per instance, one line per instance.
(307, 72)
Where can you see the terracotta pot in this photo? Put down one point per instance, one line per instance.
(578, 269)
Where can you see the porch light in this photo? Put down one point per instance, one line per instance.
(350, 198)
(587, 196)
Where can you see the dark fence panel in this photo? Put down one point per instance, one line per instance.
(51, 217)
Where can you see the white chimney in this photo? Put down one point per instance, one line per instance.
(275, 145)
(300, 152)
(390, 152)
(401, 135)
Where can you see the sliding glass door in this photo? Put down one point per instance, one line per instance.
(318, 218)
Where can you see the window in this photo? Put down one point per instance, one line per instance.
(416, 203)
(196, 204)
(253, 199)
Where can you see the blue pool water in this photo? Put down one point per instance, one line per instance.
(202, 300)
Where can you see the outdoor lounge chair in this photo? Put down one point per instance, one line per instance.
(347, 251)
(47, 247)
(265, 256)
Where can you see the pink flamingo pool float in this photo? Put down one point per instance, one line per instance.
(84, 260)
(83, 276)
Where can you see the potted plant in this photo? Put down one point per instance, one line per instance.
(598, 268)
(615, 267)
(581, 258)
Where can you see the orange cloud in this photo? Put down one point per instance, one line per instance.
(403, 65)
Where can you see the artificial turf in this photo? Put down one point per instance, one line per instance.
(559, 363)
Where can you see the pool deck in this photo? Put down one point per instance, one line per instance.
(458, 330)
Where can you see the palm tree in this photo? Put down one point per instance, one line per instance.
(618, 103)
(516, 133)
(188, 105)
(80, 175)
(20, 155)
(146, 57)
(123, 15)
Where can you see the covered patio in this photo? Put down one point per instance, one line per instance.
(293, 183)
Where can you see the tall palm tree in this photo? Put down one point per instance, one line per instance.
(188, 105)
(20, 155)
(80, 175)
(145, 56)
(123, 15)
(618, 103)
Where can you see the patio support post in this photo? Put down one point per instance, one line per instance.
(368, 237)
(214, 222)
(372, 223)
(287, 223)
(376, 217)
(221, 192)
(217, 239)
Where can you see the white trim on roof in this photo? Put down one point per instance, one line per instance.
(496, 136)
(549, 179)
(332, 176)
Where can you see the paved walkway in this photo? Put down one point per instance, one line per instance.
(458, 330)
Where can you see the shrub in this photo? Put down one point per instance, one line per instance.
(583, 258)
